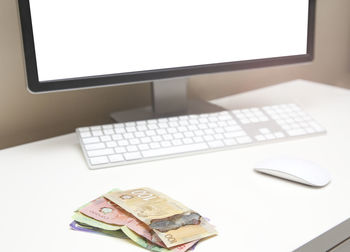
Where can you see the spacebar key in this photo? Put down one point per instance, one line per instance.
(175, 150)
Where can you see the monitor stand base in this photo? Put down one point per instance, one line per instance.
(145, 113)
(169, 98)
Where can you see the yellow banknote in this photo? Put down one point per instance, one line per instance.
(173, 222)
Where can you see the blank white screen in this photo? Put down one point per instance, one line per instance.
(78, 38)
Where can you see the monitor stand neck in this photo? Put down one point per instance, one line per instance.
(169, 98)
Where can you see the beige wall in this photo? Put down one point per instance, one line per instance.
(25, 117)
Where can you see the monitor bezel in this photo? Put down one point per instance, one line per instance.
(35, 86)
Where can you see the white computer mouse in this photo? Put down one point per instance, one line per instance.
(298, 170)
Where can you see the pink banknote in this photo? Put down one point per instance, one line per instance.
(108, 212)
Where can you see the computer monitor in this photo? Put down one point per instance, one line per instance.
(74, 44)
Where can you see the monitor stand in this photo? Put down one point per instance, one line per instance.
(169, 98)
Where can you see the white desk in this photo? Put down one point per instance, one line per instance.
(43, 182)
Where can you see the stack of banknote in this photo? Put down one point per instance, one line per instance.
(149, 218)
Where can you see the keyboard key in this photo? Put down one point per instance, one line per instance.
(128, 135)
(157, 138)
(99, 160)
(177, 142)
(199, 133)
(222, 124)
(192, 127)
(212, 125)
(96, 153)
(178, 136)
(165, 143)
(216, 144)
(173, 124)
(143, 122)
(150, 133)
(209, 132)
(239, 133)
(203, 126)
(183, 123)
(279, 135)
(230, 142)
(155, 145)
(168, 137)
(108, 126)
(95, 146)
(97, 133)
(85, 129)
(296, 132)
(90, 140)
(130, 129)
(270, 136)
(139, 134)
(143, 147)
(172, 130)
(245, 121)
(96, 128)
(219, 136)
(116, 158)
(119, 150)
(161, 131)
(316, 126)
(209, 138)
(152, 126)
(163, 125)
(175, 150)
(117, 137)
(146, 140)
(213, 119)
(198, 139)
(232, 123)
(130, 124)
(106, 138)
(310, 130)
(244, 140)
(120, 130)
(260, 138)
(219, 130)
(108, 131)
(173, 119)
(263, 118)
(188, 141)
(134, 141)
(225, 117)
(111, 144)
(182, 129)
(189, 134)
(119, 125)
(123, 143)
(229, 135)
(132, 155)
(85, 134)
(131, 148)
(142, 128)
(203, 120)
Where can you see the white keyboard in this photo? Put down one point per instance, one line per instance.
(131, 142)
